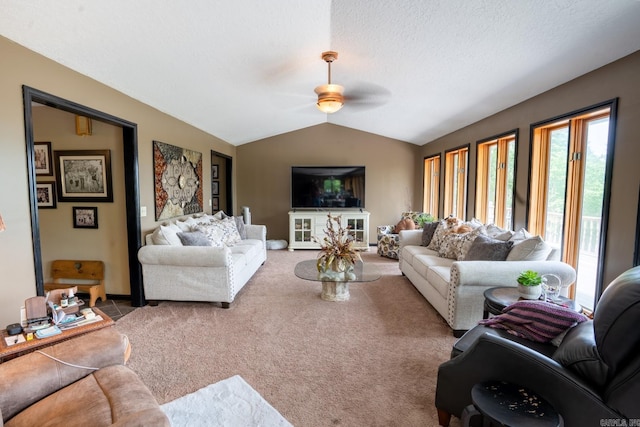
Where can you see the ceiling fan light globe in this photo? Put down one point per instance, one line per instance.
(330, 98)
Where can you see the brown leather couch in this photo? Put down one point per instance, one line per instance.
(37, 390)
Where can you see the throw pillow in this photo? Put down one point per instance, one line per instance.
(484, 248)
(219, 215)
(538, 321)
(193, 238)
(499, 233)
(427, 232)
(221, 232)
(166, 235)
(451, 246)
(240, 227)
(404, 224)
(438, 236)
(212, 232)
(183, 226)
(531, 249)
(520, 235)
(468, 240)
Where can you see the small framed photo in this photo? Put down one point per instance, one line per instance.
(215, 188)
(214, 172)
(215, 204)
(85, 217)
(42, 158)
(46, 195)
(83, 175)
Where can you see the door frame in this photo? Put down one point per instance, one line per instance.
(228, 176)
(131, 180)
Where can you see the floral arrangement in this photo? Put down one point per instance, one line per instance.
(337, 251)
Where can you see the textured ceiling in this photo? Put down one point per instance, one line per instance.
(244, 70)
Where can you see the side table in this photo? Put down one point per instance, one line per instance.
(496, 299)
(507, 404)
(10, 351)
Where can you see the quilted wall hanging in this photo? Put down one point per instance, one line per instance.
(177, 181)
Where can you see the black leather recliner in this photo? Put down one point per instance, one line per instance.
(592, 377)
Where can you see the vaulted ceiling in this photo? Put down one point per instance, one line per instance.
(244, 70)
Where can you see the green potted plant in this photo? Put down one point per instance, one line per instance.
(424, 218)
(529, 284)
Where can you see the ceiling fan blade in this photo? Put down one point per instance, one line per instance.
(365, 96)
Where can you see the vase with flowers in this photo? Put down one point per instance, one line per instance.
(336, 260)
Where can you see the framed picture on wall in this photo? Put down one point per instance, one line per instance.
(85, 217)
(83, 175)
(214, 172)
(215, 188)
(46, 195)
(42, 158)
(215, 203)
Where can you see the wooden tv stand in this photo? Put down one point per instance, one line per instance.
(303, 224)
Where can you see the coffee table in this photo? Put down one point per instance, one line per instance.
(335, 291)
(10, 351)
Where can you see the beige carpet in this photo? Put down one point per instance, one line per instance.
(369, 361)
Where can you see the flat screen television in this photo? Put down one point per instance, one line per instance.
(322, 187)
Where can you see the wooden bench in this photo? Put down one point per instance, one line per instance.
(66, 273)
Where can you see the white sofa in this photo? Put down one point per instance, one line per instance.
(456, 288)
(200, 273)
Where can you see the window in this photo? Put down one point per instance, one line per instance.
(455, 182)
(431, 189)
(569, 192)
(495, 180)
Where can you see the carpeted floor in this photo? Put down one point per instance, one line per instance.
(369, 361)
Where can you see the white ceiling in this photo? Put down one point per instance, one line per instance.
(243, 70)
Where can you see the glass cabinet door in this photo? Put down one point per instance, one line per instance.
(303, 229)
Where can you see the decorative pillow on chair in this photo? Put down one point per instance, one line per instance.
(404, 224)
(484, 248)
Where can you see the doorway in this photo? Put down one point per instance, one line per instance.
(132, 196)
(221, 183)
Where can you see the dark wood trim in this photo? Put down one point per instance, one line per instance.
(132, 187)
(228, 178)
(636, 252)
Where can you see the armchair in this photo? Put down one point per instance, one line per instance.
(389, 237)
(593, 375)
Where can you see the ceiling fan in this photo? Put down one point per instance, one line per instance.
(331, 96)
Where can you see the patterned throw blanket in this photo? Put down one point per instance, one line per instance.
(538, 321)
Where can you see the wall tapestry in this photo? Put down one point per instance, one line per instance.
(177, 180)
